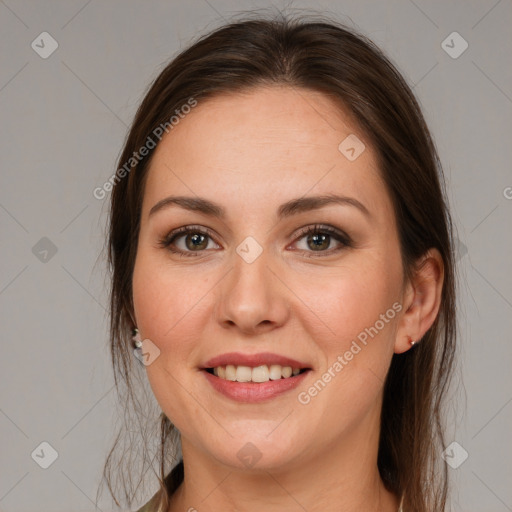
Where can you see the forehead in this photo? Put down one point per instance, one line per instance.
(264, 145)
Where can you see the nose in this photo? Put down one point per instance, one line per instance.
(250, 298)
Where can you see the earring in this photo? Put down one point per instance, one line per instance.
(136, 338)
(411, 342)
(137, 351)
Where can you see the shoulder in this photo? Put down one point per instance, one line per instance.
(151, 505)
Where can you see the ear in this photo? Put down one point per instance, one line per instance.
(421, 300)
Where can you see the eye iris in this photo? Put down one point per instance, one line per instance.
(319, 241)
(196, 241)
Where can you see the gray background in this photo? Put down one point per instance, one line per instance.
(63, 122)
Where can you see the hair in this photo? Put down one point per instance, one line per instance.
(324, 56)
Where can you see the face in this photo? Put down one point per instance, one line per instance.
(268, 269)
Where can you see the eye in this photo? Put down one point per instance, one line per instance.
(188, 240)
(194, 240)
(320, 239)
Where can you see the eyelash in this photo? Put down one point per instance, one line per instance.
(316, 229)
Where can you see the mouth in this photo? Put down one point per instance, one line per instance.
(254, 384)
(256, 374)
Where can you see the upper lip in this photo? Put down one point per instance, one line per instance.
(253, 360)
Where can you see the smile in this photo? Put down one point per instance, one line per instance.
(248, 391)
(262, 373)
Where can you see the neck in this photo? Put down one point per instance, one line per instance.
(342, 476)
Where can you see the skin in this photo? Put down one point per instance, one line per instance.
(250, 153)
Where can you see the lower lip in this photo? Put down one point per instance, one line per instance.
(253, 392)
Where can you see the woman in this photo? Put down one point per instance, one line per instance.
(281, 253)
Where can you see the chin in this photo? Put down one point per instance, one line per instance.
(260, 452)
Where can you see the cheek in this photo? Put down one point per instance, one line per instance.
(355, 303)
(357, 344)
(169, 311)
(351, 297)
(166, 299)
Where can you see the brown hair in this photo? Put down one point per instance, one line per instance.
(324, 56)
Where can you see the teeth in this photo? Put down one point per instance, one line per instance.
(261, 373)
(286, 371)
(230, 372)
(275, 372)
(243, 374)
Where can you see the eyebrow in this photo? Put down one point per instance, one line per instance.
(292, 207)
